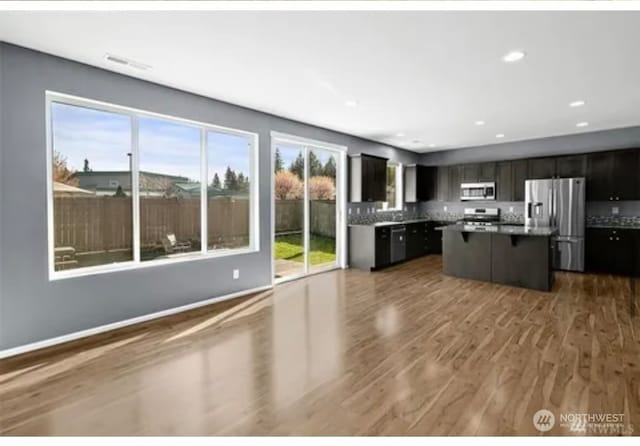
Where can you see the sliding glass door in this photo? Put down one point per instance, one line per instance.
(322, 209)
(289, 242)
(306, 208)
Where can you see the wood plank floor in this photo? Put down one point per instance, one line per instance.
(404, 351)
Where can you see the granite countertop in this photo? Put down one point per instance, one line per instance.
(399, 222)
(501, 230)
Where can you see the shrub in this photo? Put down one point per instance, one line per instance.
(322, 188)
(288, 186)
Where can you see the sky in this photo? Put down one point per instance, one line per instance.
(104, 138)
(289, 152)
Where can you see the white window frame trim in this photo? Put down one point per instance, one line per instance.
(136, 263)
(399, 188)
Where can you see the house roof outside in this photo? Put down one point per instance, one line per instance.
(111, 180)
(150, 182)
(62, 189)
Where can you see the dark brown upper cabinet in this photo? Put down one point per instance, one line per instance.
(612, 176)
(540, 168)
(626, 174)
(486, 172)
(420, 183)
(455, 179)
(519, 176)
(571, 166)
(470, 173)
(638, 198)
(478, 173)
(504, 181)
(368, 178)
(442, 189)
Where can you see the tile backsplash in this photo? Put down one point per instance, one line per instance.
(619, 213)
(512, 212)
(622, 213)
(367, 213)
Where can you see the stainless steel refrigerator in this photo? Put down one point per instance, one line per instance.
(559, 203)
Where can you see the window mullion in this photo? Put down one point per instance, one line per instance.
(135, 187)
(204, 195)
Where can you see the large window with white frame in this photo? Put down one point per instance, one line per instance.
(129, 188)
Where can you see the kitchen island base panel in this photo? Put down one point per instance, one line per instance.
(466, 255)
(515, 260)
(522, 261)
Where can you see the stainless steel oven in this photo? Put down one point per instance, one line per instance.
(477, 191)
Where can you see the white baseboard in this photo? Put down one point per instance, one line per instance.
(115, 325)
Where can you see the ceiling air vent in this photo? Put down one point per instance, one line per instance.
(112, 58)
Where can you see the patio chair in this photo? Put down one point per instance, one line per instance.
(65, 257)
(171, 245)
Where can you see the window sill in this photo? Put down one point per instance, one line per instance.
(133, 265)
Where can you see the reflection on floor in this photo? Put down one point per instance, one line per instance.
(401, 351)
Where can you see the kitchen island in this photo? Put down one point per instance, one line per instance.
(510, 255)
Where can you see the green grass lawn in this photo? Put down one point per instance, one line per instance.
(289, 247)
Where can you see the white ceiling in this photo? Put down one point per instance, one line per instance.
(429, 75)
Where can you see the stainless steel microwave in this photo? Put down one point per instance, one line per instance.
(477, 191)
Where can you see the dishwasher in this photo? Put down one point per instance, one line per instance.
(398, 243)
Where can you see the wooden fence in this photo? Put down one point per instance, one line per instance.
(322, 217)
(94, 224)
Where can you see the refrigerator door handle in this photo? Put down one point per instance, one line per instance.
(554, 213)
(550, 200)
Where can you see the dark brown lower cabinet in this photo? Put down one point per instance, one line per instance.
(612, 251)
(417, 239)
(382, 247)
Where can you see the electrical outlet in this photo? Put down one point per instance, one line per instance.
(358, 211)
(236, 274)
(349, 211)
(615, 210)
(511, 209)
(445, 209)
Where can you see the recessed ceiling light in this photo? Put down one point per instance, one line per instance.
(351, 103)
(500, 135)
(582, 124)
(112, 58)
(479, 122)
(432, 145)
(513, 56)
(400, 134)
(576, 104)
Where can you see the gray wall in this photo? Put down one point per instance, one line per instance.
(33, 308)
(558, 145)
